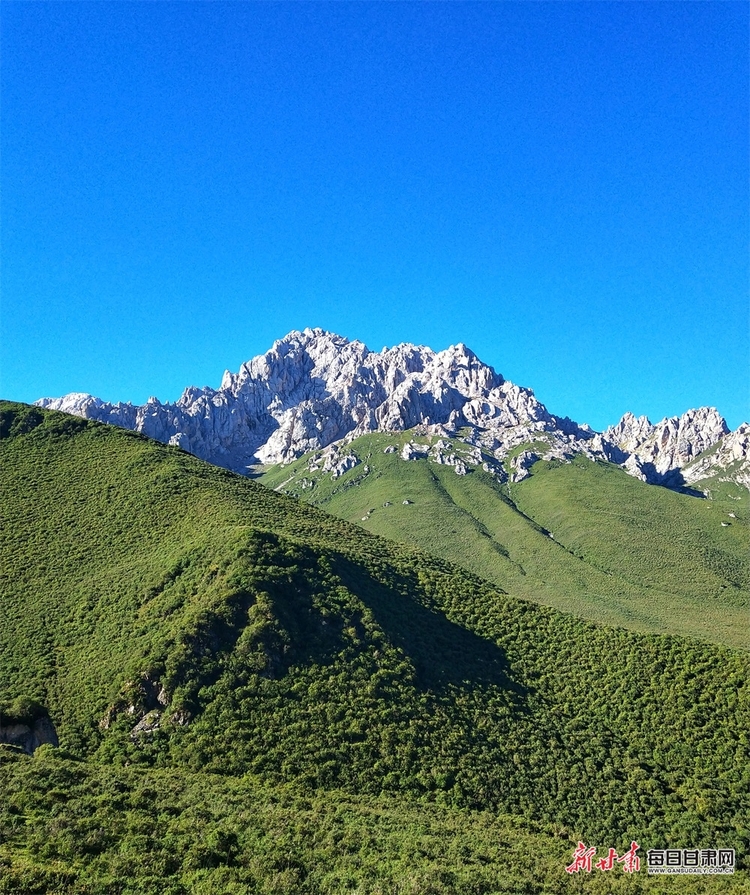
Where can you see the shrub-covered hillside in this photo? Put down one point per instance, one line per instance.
(178, 620)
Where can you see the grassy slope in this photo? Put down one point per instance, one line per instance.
(692, 570)
(305, 650)
(168, 832)
(623, 553)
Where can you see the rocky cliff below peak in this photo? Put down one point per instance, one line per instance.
(314, 388)
(658, 453)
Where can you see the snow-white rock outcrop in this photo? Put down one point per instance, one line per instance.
(729, 459)
(660, 453)
(314, 389)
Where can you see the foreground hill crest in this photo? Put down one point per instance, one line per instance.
(314, 388)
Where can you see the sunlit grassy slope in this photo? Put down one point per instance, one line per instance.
(292, 649)
(583, 537)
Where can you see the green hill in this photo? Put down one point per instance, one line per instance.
(285, 702)
(582, 537)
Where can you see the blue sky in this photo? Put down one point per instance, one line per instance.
(561, 186)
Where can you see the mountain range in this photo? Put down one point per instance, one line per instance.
(236, 692)
(314, 389)
(208, 685)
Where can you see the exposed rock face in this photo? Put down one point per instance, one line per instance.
(520, 464)
(729, 460)
(29, 736)
(314, 389)
(668, 446)
(144, 699)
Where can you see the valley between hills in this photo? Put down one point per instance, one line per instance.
(582, 536)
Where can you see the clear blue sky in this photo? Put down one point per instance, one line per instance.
(561, 186)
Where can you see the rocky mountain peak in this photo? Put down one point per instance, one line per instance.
(314, 388)
(659, 449)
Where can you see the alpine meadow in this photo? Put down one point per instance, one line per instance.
(251, 695)
(583, 537)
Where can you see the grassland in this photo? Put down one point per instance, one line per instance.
(582, 537)
(336, 712)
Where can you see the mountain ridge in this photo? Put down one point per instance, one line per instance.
(208, 651)
(314, 388)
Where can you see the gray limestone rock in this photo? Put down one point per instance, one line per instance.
(314, 390)
(659, 453)
(148, 724)
(521, 464)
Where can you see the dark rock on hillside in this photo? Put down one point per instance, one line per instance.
(29, 736)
